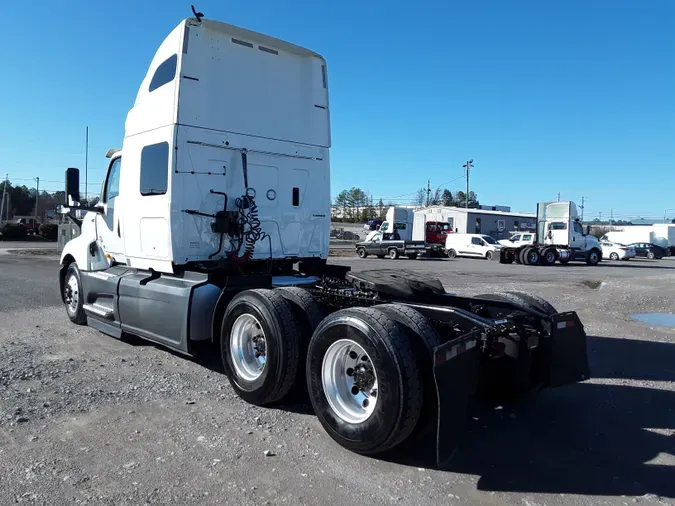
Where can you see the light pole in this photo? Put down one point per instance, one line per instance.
(467, 166)
(665, 219)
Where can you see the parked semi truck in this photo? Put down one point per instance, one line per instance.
(213, 225)
(560, 237)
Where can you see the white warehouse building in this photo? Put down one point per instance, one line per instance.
(498, 224)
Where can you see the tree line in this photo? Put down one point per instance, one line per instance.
(21, 201)
(357, 205)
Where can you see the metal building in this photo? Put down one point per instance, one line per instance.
(498, 224)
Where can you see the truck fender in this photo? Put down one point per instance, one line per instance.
(234, 285)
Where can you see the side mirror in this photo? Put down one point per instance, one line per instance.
(72, 185)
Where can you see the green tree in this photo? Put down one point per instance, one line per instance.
(460, 199)
(447, 199)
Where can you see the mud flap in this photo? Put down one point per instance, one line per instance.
(456, 372)
(566, 350)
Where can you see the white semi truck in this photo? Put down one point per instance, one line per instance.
(560, 238)
(213, 225)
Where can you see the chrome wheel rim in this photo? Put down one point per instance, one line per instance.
(349, 381)
(248, 347)
(71, 294)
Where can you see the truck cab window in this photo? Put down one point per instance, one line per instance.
(165, 73)
(477, 241)
(155, 169)
(558, 225)
(112, 183)
(578, 228)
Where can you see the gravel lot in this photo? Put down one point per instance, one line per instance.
(87, 419)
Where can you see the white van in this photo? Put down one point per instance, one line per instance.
(471, 245)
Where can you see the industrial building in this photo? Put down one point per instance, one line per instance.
(498, 224)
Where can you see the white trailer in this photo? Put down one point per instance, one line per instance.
(213, 225)
(654, 234)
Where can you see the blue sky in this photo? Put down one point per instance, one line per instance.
(573, 97)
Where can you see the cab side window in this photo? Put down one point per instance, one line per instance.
(112, 183)
(155, 169)
(476, 240)
(578, 228)
(165, 73)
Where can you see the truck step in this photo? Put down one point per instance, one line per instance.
(98, 310)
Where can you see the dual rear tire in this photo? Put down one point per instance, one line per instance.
(365, 369)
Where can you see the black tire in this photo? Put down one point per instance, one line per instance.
(399, 403)
(548, 256)
(650, 255)
(613, 256)
(517, 256)
(509, 257)
(424, 338)
(523, 255)
(282, 345)
(72, 292)
(534, 300)
(412, 256)
(393, 253)
(452, 253)
(308, 314)
(489, 255)
(533, 256)
(593, 257)
(361, 252)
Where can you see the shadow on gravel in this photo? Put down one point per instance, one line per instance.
(207, 355)
(579, 439)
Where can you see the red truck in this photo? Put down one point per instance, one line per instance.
(31, 225)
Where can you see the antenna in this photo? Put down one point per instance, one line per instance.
(198, 15)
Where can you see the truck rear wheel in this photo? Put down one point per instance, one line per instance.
(393, 253)
(424, 338)
(523, 255)
(363, 380)
(533, 300)
(532, 256)
(308, 314)
(260, 346)
(73, 297)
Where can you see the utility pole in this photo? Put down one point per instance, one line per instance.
(9, 200)
(37, 195)
(558, 196)
(467, 166)
(4, 192)
(86, 164)
(583, 199)
(428, 191)
(600, 217)
(611, 216)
